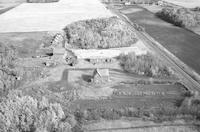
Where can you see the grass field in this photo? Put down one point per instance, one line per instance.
(176, 40)
(148, 96)
(139, 126)
(26, 44)
(117, 75)
(185, 3)
(12, 1)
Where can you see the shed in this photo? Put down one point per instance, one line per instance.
(101, 75)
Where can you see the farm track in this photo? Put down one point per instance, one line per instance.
(186, 79)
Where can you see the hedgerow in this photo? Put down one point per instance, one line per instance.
(100, 33)
(179, 16)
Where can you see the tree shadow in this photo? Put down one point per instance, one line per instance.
(87, 78)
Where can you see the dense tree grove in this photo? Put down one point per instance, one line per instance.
(20, 113)
(100, 33)
(147, 65)
(179, 16)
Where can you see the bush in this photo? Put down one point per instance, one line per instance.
(92, 114)
(147, 65)
(179, 16)
(138, 27)
(111, 114)
(100, 33)
(20, 113)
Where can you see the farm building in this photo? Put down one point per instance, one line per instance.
(101, 76)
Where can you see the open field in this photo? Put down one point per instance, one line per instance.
(134, 95)
(8, 5)
(131, 10)
(137, 125)
(12, 1)
(125, 102)
(26, 44)
(175, 39)
(117, 75)
(152, 8)
(29, 17)
(185, 3)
